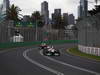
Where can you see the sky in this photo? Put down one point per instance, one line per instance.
(67, 6)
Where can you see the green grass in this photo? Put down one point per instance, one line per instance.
(75, 51)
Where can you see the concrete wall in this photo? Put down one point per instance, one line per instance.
(5, 27)
(29, 34)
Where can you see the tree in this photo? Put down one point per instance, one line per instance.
(13, 13)
(95, 10)
(37, 17)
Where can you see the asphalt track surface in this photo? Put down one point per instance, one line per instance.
(31, 61)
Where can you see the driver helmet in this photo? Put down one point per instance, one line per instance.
(51, 46)
(48, 47)
(43, 44)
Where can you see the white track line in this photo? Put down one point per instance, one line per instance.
(75, 67)
(40, 65)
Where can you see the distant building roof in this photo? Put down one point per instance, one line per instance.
(71, 27)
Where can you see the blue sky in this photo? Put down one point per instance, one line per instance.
(67, 6)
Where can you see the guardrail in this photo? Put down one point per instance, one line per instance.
(89, 50)
(21, 44)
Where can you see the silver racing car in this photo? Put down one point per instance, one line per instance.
(50, 51)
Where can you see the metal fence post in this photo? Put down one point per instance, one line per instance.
(36, 32)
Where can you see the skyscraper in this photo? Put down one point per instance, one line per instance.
(65, 19)
(84, 7)
(1, 5)
(71, 19)
(0, 9)
(4, 6)
(53, 18)
(57, 11)
(57, 19)
(57, 15)
(26, 18)
(80, 12)
(45, 12)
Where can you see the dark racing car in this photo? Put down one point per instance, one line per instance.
(50, 51)
(43, 46)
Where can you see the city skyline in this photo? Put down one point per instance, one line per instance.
(45, 12)
(67, 6)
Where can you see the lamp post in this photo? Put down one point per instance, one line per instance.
(36, 31)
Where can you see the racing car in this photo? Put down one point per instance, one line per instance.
(50, 51)
(42, 46)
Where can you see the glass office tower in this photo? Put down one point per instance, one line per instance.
(1, 7)
(4, 5)
(84, 7)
